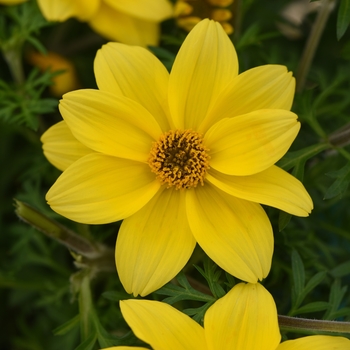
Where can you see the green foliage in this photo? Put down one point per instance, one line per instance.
(23, 105)
(340, 185)
(57, 298)
(343, 18)
(300, 290)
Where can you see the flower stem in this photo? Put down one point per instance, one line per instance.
(312, 43)
(237, 18)
(340, 137)
(56, 231)
(296, 324)
(86, 309)
(14, 61)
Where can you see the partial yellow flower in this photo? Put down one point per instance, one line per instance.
(183, 158)
(244, 319)
(63, 82)
(188, 13)
(133, 22)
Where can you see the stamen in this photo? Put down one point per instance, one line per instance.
(179, 159)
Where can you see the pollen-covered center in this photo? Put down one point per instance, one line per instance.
(179, 159)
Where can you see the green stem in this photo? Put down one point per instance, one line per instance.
(56, 231)
(14, 61)
(343, 152)
(237, 19)
(294, 324)
(340, 137)
(86, 309)
(312, 43)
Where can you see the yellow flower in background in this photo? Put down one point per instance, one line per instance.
(11, 2)
(183, 158)
(63, 82)
(190, 12)
(244, 319)
(133, 22)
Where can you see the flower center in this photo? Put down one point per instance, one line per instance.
(179, 159)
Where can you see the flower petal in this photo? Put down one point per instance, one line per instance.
(236, 234)
(154, 244)
(60, 10)
(155, 10)
(205, 64)
(319, 342)
(264, 87)
(113, 125)
(125, 348)
(99, 189)
(135, 73)
(61, 148)
(162, 326)
(273, 186)
(245, 318)
(252, 142)
(118, 26)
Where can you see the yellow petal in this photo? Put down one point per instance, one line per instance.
(60, 10)
(162, 326)
(235, 234)
(154, 244)
(155, 10)
(244, 319)
(264, 87)
(99, 189)
(205, 64)
(110, 124)
(125, 348)
(273, 187)
(61, 148)
(252, 142)
(319, 342)
(135, 73)
(117, 26)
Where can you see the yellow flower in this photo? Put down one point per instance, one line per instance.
(188, 13)
(244, 319)
(133, 22)
(63, 82)
(183, 158)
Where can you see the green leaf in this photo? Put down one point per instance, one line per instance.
(89, 343)
(314, 282)
(312, 307)
(335, 298)
(341, 270)
(105, 339)
(283, 220)
(181, 278)
(198, 313)
(343, 19)
(345, 311)
(116, 295)
(67, 326)
(185, 292)
(341, 183)
(212, 275)
(298, 275)
(291, 159)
